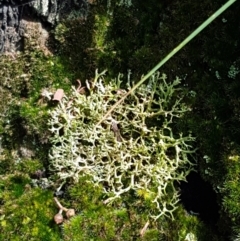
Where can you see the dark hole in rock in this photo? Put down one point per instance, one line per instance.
(198, 198)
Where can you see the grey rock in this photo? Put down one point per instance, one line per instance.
(13, 11)
(46, 9)
(9, 26)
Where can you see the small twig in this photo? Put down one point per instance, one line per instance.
(60, 205)
(116, 130)
(143, 230)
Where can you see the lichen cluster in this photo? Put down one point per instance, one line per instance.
(135, 148)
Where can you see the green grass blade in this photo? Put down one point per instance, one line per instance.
(171, 54)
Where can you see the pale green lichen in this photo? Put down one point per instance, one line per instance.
(135, 148)
(233, 71)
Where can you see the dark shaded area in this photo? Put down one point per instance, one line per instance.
(199, 198)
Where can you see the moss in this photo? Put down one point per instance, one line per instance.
(14, 186)
(28, 81)
(229, 189)
(29, 166)
(133, 38)
(6, 162)
(187, 227)
(84, 195)
(90, 225)
(98, 221)
(77, 35)
(24, 77)
(27, 213)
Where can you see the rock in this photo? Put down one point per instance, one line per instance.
(12, 13)
(9, 27)
(46, 9)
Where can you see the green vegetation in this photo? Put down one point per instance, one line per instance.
(127, 36)
(27, 212)
(121, 221)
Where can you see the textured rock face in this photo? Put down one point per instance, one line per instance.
(46, 9)
(50, 10)
(11, 24)
(13, 11)
(10, 28)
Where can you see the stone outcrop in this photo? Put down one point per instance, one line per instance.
(12, 25)
(47, 9)
(12, 13)
(10, 28)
